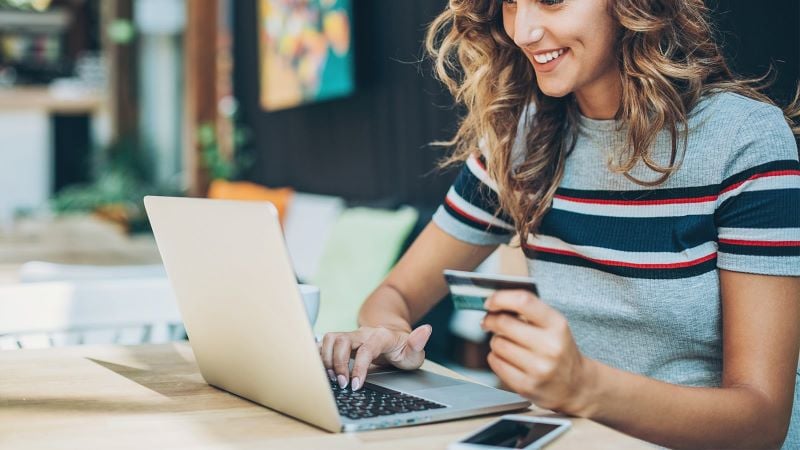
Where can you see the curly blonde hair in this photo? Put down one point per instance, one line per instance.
(668, 61)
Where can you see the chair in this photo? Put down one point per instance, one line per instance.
(361, 249)
(120, 311)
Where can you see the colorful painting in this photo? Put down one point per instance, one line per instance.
(306, 51)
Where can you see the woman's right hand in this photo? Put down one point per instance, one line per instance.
(400, 348)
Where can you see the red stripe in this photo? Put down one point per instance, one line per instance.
(464, 213)
(774, 173)
(480, 163)
(709, 198)
(760, 243)
(625, 264)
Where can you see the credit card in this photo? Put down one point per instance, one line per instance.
(469, 290)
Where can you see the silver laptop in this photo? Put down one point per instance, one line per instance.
(237, 294)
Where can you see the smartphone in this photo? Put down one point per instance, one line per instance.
(514, 431)
(469, 290)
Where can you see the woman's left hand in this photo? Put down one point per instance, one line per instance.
(533, 352)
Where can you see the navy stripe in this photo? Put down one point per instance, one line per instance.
(473, 190)
(650, 194)
(785, 164)
(682, 192)
(629, 272)
(753, 250)
(478, 226)
(777, 208)
(630, 234)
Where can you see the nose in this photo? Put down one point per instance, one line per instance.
(528, 28)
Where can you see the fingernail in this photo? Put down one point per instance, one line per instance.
(331, 375)
(342, 381)
(356, 383)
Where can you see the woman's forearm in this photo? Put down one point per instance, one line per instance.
(683, 417)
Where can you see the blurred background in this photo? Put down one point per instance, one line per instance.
(324, 107)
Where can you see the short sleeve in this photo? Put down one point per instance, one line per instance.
(758, 208)
(471, 210)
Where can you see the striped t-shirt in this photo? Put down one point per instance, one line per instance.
(635, 269)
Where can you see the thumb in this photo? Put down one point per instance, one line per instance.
(419, 337)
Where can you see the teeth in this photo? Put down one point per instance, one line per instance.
(547, 57)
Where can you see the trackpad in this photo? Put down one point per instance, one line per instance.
(412, 381)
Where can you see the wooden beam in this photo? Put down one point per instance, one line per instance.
(200, 94)
(122, 64)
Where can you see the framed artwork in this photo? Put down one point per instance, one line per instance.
(305, 51)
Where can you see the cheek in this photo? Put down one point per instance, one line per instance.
(508, 23)
(601, 37)
(595, 46)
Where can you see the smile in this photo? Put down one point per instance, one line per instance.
(546, 57)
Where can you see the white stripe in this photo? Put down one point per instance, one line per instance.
(763, 184)
(477, 170)
(474, 211)
(690, 254)
(670, 210)
(472, 291)
(760, 234)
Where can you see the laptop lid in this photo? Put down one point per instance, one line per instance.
(237, 294)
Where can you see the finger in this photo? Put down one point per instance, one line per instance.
(326, 352)
(342, 348)
(413, 354)
(419, 337)
(511, 327)
(366, 353)
(510, 375)
(525, 304)
(520, 357)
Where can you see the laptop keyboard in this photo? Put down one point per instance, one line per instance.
(373, 401)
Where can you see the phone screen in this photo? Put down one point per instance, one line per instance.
(511, 434)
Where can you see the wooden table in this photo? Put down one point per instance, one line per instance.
(115, 397)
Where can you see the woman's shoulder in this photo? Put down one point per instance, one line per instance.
(742, 133)
(732, 108)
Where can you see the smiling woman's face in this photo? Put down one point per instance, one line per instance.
(570, 43)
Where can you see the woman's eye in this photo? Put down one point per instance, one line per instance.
(544, 2)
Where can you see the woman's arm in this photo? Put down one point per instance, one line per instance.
(752, 408)
(412, 287)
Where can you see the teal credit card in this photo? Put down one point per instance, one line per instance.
(469, 290)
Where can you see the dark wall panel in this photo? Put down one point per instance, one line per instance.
(372, 145)
(757, 35)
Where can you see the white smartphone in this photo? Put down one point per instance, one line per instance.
(514, 431)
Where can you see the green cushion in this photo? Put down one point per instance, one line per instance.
(361, 249)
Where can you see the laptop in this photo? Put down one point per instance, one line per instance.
(238, 296)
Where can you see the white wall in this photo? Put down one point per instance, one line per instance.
(26, 162)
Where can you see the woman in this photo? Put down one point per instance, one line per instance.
(659, 201)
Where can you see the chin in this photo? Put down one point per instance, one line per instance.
(554, 91)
